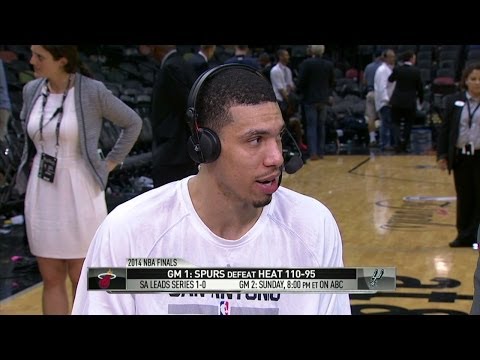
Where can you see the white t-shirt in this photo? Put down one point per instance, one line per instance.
(293, 231)
(382, 87)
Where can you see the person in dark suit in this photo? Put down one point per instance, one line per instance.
(200, 60)
(404, 98)
(222, 53)
(459, 150)
(169, 103)
(266, 63)
(241, 57)
(316, 82)
(475, 310)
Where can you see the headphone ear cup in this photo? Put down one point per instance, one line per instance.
(209, 144)
(209, 148)
(194, 151)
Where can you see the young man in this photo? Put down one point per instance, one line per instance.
(232, 214)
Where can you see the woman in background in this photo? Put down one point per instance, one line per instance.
(459, 150)
(61, 170)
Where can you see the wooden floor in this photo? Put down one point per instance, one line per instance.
(392, 211)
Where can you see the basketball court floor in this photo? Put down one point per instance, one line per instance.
(392, 211)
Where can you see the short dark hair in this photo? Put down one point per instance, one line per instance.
(229, 88)
(407, 55)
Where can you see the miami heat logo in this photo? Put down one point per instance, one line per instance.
(105, 279)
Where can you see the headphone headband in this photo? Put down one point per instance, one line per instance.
(204, 145)
(197, 85)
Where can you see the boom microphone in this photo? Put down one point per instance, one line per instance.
(292, 161)
(294, 164)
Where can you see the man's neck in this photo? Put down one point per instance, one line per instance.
(223, 217)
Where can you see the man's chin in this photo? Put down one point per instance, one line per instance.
(262, 203)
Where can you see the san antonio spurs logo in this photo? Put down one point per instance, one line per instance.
(377, 275)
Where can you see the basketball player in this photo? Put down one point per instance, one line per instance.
(233, 213)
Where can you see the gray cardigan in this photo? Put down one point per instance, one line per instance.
(93, 102)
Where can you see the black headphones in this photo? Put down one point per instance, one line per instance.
(204, 144)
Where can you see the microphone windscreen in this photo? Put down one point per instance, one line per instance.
(294, 164)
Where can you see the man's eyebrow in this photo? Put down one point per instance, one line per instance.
(256, 132)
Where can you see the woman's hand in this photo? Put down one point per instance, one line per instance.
(442, 164)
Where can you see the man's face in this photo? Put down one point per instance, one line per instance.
(390, 58)
(249, 165)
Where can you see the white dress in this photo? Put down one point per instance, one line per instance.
(61, 217)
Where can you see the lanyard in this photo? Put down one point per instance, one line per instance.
(58, 111)
(470, 113)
